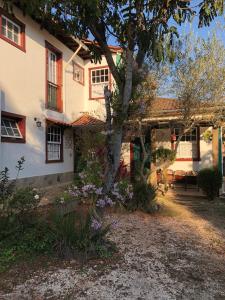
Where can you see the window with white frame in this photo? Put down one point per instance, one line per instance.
(52, 80)
(10, 128)
(78, 73)
(100, 78)
(11, 30)
(54, 143)
(188, 145)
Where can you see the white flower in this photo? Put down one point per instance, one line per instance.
(36, 197)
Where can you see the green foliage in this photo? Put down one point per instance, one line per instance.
(162, 155)
(207, 136)
(144, 197)
(210, 181)
(25, 242)
(74, 234)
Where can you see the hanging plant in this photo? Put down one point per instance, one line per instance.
(207, 136)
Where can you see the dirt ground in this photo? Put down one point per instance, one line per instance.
(179, 254)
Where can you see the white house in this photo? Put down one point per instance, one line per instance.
(47, 81)
(200, 148)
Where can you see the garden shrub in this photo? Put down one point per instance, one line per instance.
(75, 234)
(210, 181)
(16, 204)
(144, 197)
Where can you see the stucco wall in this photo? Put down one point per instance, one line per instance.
(23, 90)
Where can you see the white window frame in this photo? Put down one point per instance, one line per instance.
(189, 142)
(52, 143)
(7, 30)
(52, 78)
(11, 127)
(100, 77)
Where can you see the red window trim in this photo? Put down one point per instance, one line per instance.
(90, 85)
(82, 83)
(48, 124)
(22, 47)
(198, 158)
(21, 120)
(50, 47)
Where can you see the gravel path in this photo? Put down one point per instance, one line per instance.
(161, 258)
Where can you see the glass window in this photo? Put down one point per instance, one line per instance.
(78, 73)
(10, 128)
(54, 141)
(100, 76)
(11, 30)
(188, 136)
(52, 80)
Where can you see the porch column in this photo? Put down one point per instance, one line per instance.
(215, 147)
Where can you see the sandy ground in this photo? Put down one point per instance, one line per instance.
(160, 257)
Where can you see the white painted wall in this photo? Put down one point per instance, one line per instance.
(23, 86)
(205, 152)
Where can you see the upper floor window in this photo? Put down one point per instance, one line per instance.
(99, 78)
(54, 78)
(12, 30)
(12, 128)
(78, 73)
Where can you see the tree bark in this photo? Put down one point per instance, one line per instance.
(114, 138)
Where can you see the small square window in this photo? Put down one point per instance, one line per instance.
(11, 30)
(78, 73)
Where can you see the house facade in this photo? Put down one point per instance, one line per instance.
(47, 81)
(199, 148)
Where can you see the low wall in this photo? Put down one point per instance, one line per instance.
(46, 180)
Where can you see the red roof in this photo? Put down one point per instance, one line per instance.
(87, 120)
(160, 104)
(111, 47)
(58, 122)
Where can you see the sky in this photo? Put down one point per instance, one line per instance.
(217, 25)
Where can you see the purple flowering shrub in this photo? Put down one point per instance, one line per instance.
(75, 234)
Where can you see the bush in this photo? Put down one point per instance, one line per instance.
(144, 197)
(75, 234)
(16, 204)
(210, 181)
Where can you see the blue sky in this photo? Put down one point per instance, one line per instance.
(218, 25)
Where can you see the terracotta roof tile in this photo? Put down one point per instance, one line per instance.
(160, 104)
(58, 122)
(87, 120)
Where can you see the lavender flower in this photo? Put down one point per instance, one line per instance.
(108, 201)
(114, 224)
(95, 224)
(101, 203)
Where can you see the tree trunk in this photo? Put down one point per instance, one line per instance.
(114, 138)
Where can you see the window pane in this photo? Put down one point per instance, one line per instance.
(9, 131)
(52, 67)
(54, 143)
(11, 30)
(52, 96)
(3, 131)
